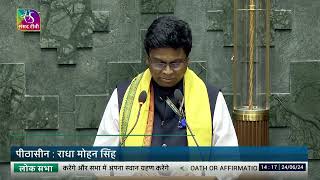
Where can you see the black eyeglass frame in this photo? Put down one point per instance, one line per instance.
(175, 65)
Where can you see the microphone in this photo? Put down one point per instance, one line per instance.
(179, 96)
(142, 99)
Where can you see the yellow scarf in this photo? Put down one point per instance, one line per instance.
(197, 110)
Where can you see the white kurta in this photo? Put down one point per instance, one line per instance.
(223, 130)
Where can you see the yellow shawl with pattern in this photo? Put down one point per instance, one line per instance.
(197, 110)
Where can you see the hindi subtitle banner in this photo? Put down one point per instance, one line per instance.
(218, 169)
(159, 161)
(88, 153)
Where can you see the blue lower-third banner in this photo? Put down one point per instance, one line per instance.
(86, 153)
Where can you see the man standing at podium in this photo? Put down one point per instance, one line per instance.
(167, 104)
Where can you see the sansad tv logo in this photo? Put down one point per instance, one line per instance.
(28, 20)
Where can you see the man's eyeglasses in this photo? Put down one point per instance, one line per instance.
(176, 65)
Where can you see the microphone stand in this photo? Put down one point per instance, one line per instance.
(198, 147)
(135, 123)
(188, 127)
(142, 99)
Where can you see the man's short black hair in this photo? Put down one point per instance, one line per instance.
(168, 32)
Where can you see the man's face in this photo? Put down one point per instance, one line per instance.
(167, 65)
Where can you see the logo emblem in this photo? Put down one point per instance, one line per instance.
(28, 20)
